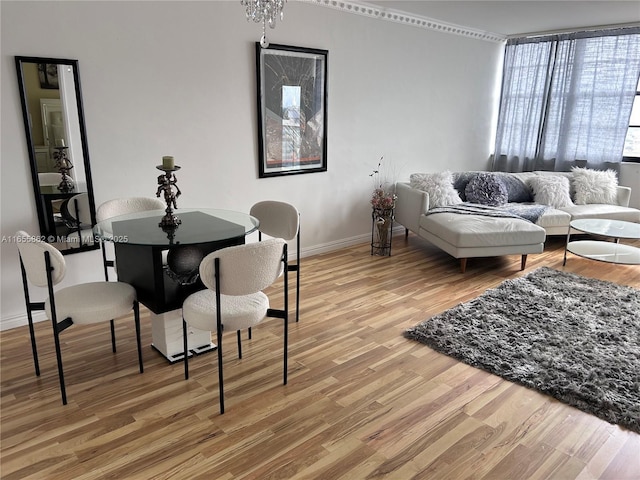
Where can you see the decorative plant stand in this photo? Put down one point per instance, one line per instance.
(381, 225)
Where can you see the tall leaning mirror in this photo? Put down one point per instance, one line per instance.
(58, 151)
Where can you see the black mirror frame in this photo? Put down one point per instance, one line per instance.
(20, 60)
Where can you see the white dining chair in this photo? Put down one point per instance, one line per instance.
(122, 206)
(76, 212)
(50, 179)
(281, 220)
(44, 266)
(234, 300)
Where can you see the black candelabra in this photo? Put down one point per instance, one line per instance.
(166, 184)
(63, 164)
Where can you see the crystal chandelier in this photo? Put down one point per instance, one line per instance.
(265, 11)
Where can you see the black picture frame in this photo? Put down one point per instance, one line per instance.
(292, 110)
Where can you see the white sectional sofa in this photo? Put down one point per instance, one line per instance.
(435, 207)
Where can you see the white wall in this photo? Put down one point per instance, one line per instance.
(630, 177)
(178, 78)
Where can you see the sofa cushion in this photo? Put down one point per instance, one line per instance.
(438, 185)
(552, 190)
(517, 189)
(552, 217)
(480, 231)
(594, 186)
(487, 189)
(595, 210)
(568, 175)
(460, 181)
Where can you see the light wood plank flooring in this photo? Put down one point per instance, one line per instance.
(362, 401)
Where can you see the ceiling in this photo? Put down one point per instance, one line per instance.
(513, 18)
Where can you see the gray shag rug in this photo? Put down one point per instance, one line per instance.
(574, 338)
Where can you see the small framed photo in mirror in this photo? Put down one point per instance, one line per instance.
(48, 75)
(292, 110)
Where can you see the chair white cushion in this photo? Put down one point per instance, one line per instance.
(93, 302)
(32, 253)
(73, 239)
(246, 268)
(122, 206)
(277, 219)
(238, 312)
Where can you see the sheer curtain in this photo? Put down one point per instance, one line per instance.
(566, 100)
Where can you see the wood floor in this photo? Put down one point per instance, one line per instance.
(362, 401)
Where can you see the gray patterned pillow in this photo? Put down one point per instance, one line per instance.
(487, 189)
(517, 190)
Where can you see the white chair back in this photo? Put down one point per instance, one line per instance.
(277, 219)
(32, 254)
(83, 213)
(122, 206)
(244, 269)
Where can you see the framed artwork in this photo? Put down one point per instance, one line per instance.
(292, 110)
(48, 75)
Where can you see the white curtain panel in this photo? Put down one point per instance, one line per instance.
(524, 84)
(566, 100)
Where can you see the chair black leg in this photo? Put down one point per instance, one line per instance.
(57, 328)
(298, 276)
(286, 343)
(249, 333)
(185, 342)
(239, 344)
(34, 349)
(32, 333)
(220, 376)
(113, 336)
(56, 337)
(286, 314)
(136, 319)
(104, 261)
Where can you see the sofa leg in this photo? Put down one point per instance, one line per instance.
(523, 262)
(463, 265)
(406, 233)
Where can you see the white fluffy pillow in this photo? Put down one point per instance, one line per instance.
(552, 190)
(595, 186)
(439, 186)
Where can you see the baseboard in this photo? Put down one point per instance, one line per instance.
(342, 243)
(332, 246)
(15, 321)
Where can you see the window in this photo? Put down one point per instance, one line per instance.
(567, 99)
(632, 142)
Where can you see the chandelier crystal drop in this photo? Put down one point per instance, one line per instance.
(265, 12)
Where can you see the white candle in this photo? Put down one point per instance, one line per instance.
(168, 162)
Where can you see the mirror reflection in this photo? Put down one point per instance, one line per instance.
(58, 151)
